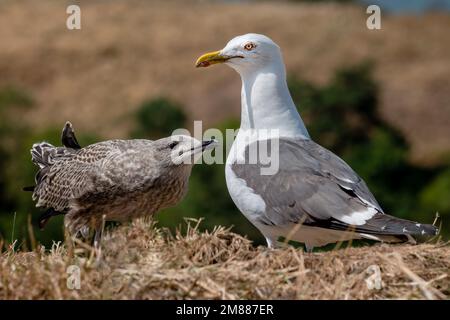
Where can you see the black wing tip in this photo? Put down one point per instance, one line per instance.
(429, 230)
(29, 188)
(418, 229)
(382, 225)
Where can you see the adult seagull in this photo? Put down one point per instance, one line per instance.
(314, 197)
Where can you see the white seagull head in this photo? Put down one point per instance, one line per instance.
(266, 102)
(247, 53)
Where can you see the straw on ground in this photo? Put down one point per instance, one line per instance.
(140, 261)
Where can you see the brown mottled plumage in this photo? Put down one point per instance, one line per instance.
(116, 180)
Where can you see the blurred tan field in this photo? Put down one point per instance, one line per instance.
(140, 262)
(128, 51)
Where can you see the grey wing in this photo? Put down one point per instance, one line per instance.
(337, 170)
(312, 184)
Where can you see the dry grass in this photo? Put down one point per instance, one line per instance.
(142, 262)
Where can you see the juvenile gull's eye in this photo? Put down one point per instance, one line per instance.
(249, 46)
(173, 144)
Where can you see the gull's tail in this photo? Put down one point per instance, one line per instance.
(43, 153)
(68, 138)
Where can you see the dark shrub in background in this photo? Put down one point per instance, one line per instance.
(158, 118)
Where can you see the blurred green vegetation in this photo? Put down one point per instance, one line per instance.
(341, 115)
(158, 118)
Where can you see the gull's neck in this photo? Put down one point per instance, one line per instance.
(267, 103)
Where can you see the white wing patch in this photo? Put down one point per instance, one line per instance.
(358, 218)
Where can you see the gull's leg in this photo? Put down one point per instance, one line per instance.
(98, 238)
(271, 243)
(309, 248)
(98, 245)
(99, 226)
(274, 244)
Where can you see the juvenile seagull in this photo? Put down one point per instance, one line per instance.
(314, 197)
(114, 180)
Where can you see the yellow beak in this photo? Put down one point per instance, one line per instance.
(210, 58)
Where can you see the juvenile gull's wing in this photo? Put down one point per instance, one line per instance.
(114, 167)
(66, 174)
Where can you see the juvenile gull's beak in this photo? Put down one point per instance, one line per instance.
(205, 145)
(209, 144)
(213, 58)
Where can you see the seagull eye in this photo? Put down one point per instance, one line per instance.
(173, 144)
(249, 46)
